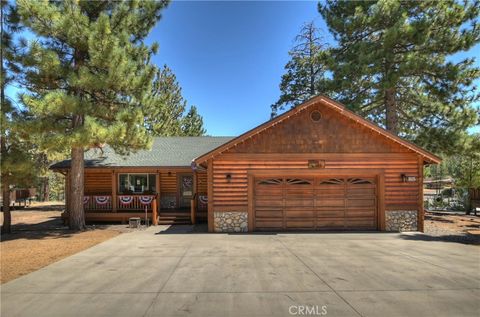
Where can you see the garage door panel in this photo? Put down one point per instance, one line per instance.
(269, 213)
(298, 203)
(360, 192)
(322, 194)
(361, 202)
(299, 190)
(330, 212)
(268, 224)
(332, 203)
(358, 212)
(269, 192)
(269, 203)
(300, 224)
(330, 223)
(301, 213)
(360, 223)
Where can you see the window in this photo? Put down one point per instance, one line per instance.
(272, 181)
(136, 183)
(297, 181)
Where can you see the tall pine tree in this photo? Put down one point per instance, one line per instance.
(392, 64)
(88, 74)
(306, 71)
(18, 164)
(192, 123)
(167, 108)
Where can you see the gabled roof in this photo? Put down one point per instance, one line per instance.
(165, 152)
(332, 104)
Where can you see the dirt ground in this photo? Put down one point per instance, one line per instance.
(40, 238)
(453, 226)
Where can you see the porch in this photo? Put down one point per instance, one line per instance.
(164, 196)
(101, 208)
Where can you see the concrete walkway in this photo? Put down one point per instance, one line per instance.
(170, 273)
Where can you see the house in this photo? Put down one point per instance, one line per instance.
(318, 166)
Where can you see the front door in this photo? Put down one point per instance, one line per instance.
(185, 184)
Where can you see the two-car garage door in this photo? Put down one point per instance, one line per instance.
(315, 203)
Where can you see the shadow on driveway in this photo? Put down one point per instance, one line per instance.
(456, 238)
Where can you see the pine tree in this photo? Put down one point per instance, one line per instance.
(167, 108)
(392, 65)
(192, 123)
(18, 164)
(306, 71)
(88, 74)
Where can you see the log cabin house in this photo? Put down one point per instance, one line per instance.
(318, 166)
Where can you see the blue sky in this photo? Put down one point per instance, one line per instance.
(229, 56)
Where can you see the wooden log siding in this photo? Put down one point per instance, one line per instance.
(202, 182)
(233, 195)
(98, 182)
(168, 182)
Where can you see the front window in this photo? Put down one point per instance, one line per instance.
(136, 183)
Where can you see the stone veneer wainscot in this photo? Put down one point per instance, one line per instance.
(230, 221)
(401, 220)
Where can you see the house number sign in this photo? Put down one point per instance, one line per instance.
(316, 164)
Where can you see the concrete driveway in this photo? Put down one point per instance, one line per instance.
(170, 273)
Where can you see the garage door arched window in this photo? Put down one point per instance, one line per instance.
(298, 181)
(271, 181)
(359, 181)
(332, 181)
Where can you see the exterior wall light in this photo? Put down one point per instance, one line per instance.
(408, 178)
(228, 177)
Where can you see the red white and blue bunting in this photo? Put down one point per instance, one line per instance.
(125, 200)
(145, 200)
(102, 200)
(85, 199)
(203, 199)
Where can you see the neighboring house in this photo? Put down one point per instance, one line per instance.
(318, 166)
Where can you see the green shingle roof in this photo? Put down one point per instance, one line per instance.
(166, 151)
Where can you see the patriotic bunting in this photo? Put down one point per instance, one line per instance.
(145, 200)
(125, 200)
(102, 200)
(203, 199)
(85, 199)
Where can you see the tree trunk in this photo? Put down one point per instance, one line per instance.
(7, 216)
(391, 116)
(46, 189)
(76, 212)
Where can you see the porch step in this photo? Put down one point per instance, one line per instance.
(173, 213)
(174, 222)
(174, 219)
